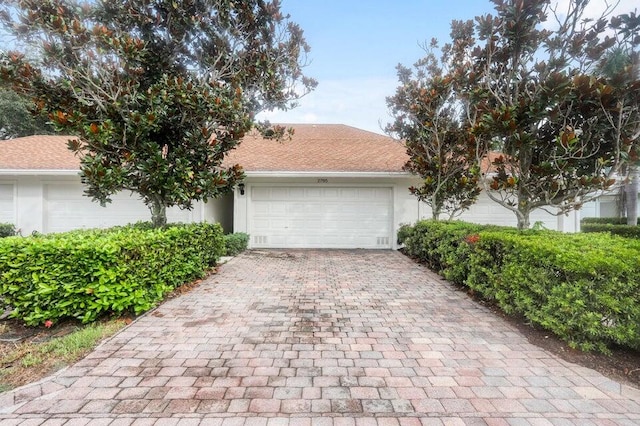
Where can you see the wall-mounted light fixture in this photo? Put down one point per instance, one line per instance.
(241, 188)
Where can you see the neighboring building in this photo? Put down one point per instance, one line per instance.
(40, 190)
(330, 186)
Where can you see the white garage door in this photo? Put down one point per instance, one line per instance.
(320, 217)
(7, 208)
(66, 208)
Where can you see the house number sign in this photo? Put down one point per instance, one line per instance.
(323, 180)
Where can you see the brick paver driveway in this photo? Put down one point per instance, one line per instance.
(322, 337)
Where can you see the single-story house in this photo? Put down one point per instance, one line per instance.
(330, 186)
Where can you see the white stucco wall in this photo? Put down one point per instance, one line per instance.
(487, 211)
(29, 201)
(406, 208)
(55, 202)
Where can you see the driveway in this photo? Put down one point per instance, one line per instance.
(322, 338)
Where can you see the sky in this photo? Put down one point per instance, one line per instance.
(356, 45)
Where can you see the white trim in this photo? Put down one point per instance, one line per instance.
(43, 172)
(289, 174)
(321, 185)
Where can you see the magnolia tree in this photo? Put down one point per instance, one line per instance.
(558, 134)
(427, 119)
(155, 92)
(16, 118)
(621, 66)
(564, 134)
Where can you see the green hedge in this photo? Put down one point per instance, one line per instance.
(606, 220)
(85, 274)
(584, 288)
(622, 230)
(612, 225)
(236, 243)
(7, 230)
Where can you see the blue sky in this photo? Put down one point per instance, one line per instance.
(356, 44)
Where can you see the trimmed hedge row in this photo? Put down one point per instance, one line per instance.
(606, 220)
(622, 230)
(85, 274)
(584, 288)
(612, 225)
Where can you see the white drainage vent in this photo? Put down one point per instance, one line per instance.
(259, 239)
(382, 241)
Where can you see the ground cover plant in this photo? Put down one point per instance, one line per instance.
(48, 350)
(87, 274)
(583, 288)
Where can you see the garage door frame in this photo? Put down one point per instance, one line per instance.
(250, 210)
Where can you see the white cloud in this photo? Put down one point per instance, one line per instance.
(354, 102)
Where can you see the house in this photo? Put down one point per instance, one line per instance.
(330, 186)
(40, 191)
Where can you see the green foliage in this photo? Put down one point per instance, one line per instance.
(622, 230)
(605, 220)
(7, 230)
(404, 231)
(86, 274)
(584, 288)
(439, 145)
(547, 132)
(235, 243)
(612, 225)
(16, 118)
(156, 92)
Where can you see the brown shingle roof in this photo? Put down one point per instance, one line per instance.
(321, 148)
(313, 147)
(40, 152)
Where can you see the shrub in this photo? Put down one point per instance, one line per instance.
(7, 230)
(615, 229)
(404, 232)
(236, 243)
(584, 288)
(612, 225)
(606, 220)
(85, 274)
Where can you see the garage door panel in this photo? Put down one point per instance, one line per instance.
(331, 193)
(313, 193)
(331, 217)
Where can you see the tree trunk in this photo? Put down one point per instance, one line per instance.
(631, 189)
(158, 213)
(435, 208)
(523, 207)
(523, 220)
